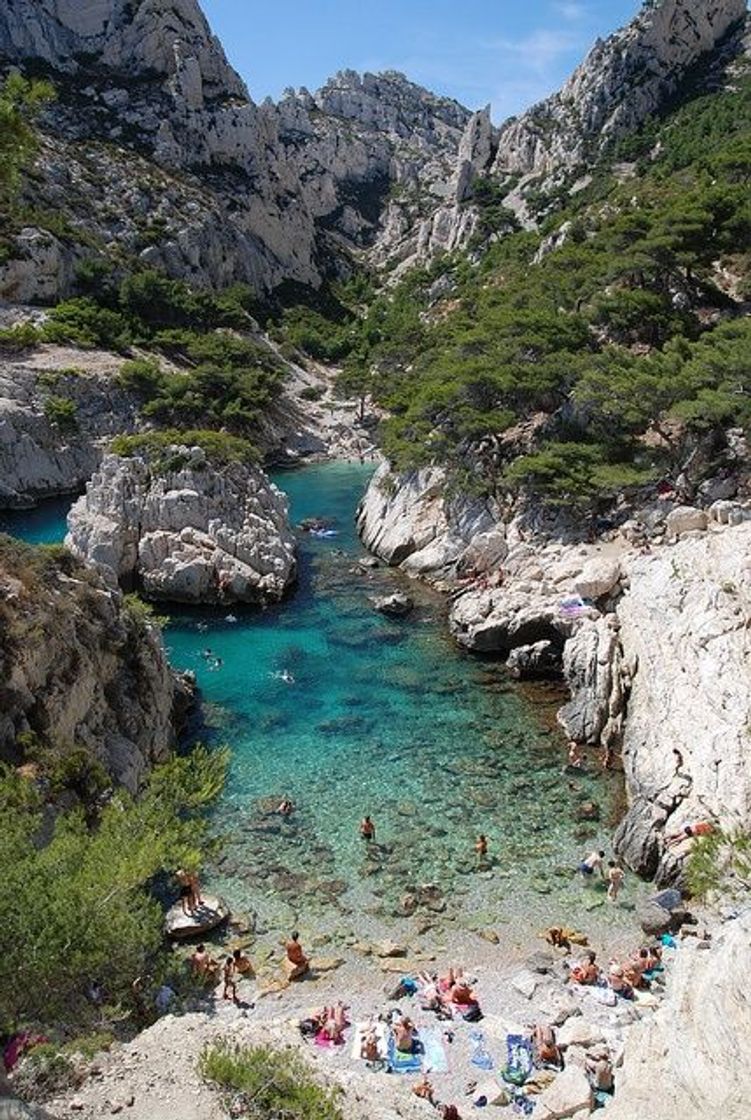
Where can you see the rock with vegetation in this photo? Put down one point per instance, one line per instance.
(185, 525)
(87, 689)
(623, 80)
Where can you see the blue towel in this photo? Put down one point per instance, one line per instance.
(434, 1058)
(401, 1062)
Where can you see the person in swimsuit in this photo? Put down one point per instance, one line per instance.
(586, 971)
(286, 807)
(296, 957)
(367, 829)
(186, 891)
(575, 756)
(404, 1035)
(481, 848)
(243, 964)
(615, 878)
(593, 862)
(424, 1090)
(230, 986)
(689, 832)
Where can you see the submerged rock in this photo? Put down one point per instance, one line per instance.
(396, 605)
(187, 531)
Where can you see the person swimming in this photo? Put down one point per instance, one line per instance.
(283, 675)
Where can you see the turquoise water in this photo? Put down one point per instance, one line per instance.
(374, 716)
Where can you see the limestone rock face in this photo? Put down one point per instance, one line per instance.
(684, 626)
(620, 83)
(409, 522)
(190, 532)
(97, 679)
(593, 669)
(688, 1061)
(37, 456)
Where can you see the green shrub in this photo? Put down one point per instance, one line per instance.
(79, 908)
(61, 412)
(220, 447)
(264, 1083)
(20, 337)
(312, 393)
(142, 376)
(85, 323)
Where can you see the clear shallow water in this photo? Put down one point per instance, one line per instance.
(381, 717)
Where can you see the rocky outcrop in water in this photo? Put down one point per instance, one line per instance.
(184, 530)
(688, 1061)
(409, 521)
(79, 670)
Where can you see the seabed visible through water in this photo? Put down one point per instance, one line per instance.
(347, 712)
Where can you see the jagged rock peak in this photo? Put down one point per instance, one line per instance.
(621, 82)
(384, 95)
(129, 36)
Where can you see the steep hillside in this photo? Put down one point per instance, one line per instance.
(155, 153)
(87, 694)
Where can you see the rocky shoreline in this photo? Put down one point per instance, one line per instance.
(647, 624)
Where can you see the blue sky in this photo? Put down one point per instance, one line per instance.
(510, 53)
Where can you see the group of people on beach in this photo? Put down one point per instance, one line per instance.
(638, 972)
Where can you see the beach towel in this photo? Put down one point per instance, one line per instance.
(434, 1059)
(480, 1057)
(400, 1062)
(519, 1059)
(381, 1032)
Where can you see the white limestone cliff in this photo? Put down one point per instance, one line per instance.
(185, 530)
(688, 1061)
(622, 81)
(654, 646)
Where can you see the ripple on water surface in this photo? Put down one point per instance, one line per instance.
(346, 712)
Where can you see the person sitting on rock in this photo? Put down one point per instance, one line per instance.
(635, 968)
(201, 962)
(243, 965)
(286, 807)
(586, 971)
(369, 1048)
(296, 963)
(545, 1047)
(618, 983)
(462, 995)
(599, 1070)
(404, 1035)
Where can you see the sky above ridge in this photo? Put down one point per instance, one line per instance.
(509, 53)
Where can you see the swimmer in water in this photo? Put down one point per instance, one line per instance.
(283, 675)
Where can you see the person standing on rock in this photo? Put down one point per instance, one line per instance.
(367, 829)
(481, 848)
(230, 985)
(593, 862)
(615, 878)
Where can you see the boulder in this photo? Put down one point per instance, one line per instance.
(685, 519)
(599, 578)
(182, 926)
(579, 1032)
(543, 659)
(397, 605)
(569, 1094)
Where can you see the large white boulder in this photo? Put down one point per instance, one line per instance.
(569, 1094)
(686, 519)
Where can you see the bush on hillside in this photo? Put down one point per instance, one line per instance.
(263, 1083)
